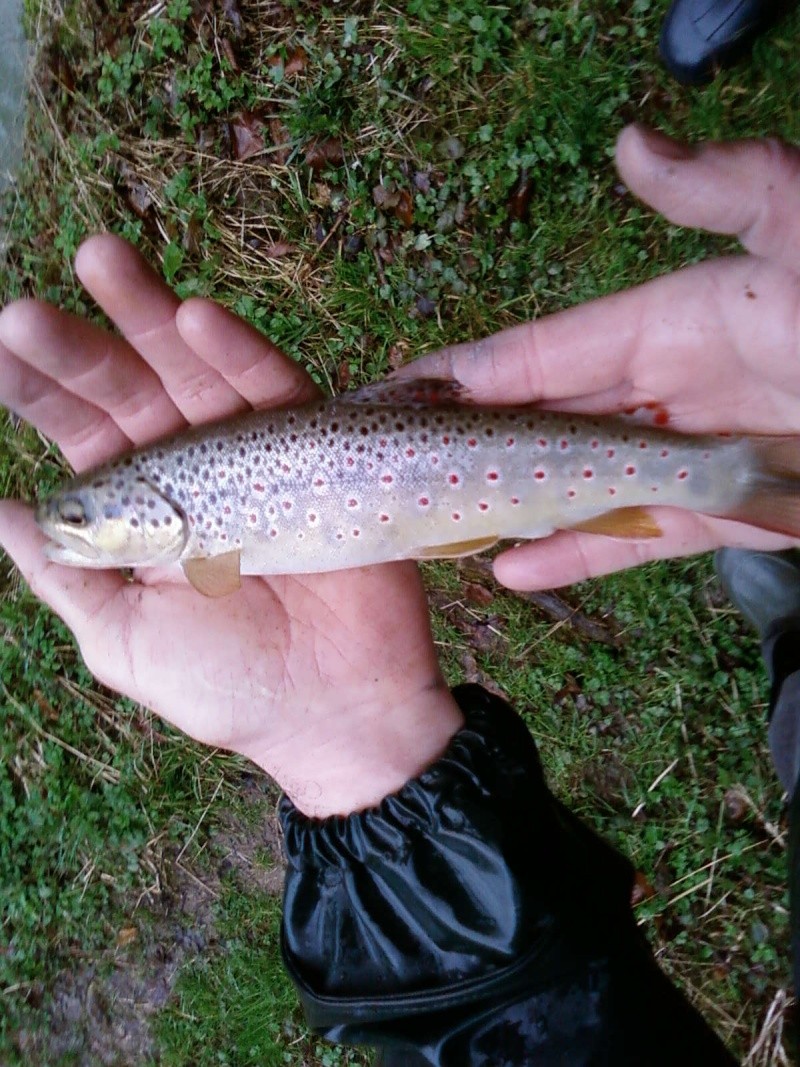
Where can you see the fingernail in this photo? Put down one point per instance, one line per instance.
(666, 147)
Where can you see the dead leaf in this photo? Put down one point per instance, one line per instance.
(279, 135)
(404, 209)
(519, 200)
(230, 55)
(477, 594)
(137, 192)
(323, 153)
(396, 356)
(296, 63)
(278, 250)
(641, 890)
(248, 135)
(191, 236)
(385, 197)
(233, 13)
(126, 936)
(343, 376)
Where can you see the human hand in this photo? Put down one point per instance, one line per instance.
(329, 682)
(715, 345)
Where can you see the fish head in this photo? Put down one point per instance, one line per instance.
(112, 520)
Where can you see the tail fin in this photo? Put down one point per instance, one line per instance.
(774, 500)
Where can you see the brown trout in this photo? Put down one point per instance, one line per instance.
(400, 471)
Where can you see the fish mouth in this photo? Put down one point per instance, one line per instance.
(69, 555)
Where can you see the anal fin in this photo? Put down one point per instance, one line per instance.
(633, 523)
(214, 576)
(455, 549)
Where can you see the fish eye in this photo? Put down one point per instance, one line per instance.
(72, 512)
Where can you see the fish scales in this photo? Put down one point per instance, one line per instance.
(343, 484)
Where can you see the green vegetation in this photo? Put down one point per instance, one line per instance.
(364, 186)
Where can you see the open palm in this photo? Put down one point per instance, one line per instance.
(277, 671)
(715, 347)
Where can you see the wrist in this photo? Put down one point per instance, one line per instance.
(364, 752)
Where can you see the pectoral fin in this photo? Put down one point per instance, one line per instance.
(455, 549)
(214, 576)
(634, 523)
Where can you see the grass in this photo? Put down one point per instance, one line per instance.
(364, 186)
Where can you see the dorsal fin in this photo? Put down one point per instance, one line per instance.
(408, 392)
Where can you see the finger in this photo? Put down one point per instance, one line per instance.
(746, 188)
(251, 364)
(526, 363)
(92, 365)
(569, 557)
(144, 308)
(78, 596)
(84, 434)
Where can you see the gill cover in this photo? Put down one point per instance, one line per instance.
(94, 521)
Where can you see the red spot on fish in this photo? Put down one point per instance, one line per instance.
(445, 440)
(543, 442)
(312, 517)
(612, 491)
(387, 478)
(483, 506)
(196, 493)
(630, 470)
(664, 453)
(352, 502)
(611, 452)
(226, 510)
(564, 444)
(253, 518)
(683, 474)
(643, 444)
(423, 501)
(492, 476)
(595, 443)
(410, 453)
(350, 461)
(287, 505)
(515, 500)
(571, 494)
(588, 473)
(383, 443)
(456, 516)
(539, 476)
(453, 479)
(434, 460)
(383, 518)
(510, 442)
(273, 532)
(258, 487)
(356, 533)
(661, 417)
(472, 442)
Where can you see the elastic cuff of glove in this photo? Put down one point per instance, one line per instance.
(469, 879)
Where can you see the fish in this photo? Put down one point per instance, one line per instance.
(397, 471)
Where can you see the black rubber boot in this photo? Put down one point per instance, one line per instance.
(470, 920)
(698, 36)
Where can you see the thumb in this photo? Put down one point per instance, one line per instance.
(750, 189)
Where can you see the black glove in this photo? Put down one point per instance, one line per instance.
(470, 920)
